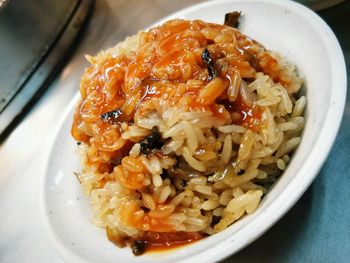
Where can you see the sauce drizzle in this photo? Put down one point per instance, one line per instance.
(155, 241)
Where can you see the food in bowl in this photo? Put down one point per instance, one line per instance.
(182, 130)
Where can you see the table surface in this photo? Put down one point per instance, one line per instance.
(316, 229)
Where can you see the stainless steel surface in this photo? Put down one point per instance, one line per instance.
(20, 52)
(32, 47)
(317, 229)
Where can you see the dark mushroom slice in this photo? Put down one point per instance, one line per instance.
(111, 116)
(232, 19)
(138, 247)
(209, 62)
(152, 142)
(240, 172)
(215, 220)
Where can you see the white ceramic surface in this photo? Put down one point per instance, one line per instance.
(283, 26)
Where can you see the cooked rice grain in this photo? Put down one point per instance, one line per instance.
(181, 131)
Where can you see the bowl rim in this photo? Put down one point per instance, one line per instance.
(295, 188)
(321, 149)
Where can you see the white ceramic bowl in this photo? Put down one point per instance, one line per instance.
(282, 26)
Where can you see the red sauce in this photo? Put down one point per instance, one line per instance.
(270, 66)
(163, 241)
(167, 58)
(154, 224)
(249, 116)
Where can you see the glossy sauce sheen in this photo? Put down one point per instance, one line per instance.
(169, 55)
(161, 241)
(167, 59)
(249, 116)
